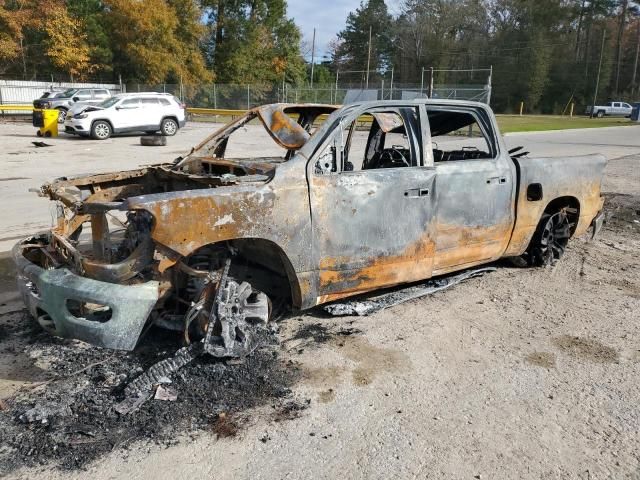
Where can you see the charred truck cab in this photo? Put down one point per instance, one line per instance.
(343, 201)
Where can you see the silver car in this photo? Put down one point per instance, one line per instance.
(64, 100)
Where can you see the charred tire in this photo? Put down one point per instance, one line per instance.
(101, 130)
(62, 114)
(550, 239)
(169, 127)
(600, 114)
(235, 300)
(153, 141)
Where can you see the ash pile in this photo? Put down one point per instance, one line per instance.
(83, 409)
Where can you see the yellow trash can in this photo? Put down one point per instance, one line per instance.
(47, 121)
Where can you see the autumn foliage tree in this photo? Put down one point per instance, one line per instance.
(156, 41)
(71, 57)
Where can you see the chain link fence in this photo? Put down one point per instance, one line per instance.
(242, 97)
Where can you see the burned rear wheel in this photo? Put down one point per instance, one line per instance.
(550, 239)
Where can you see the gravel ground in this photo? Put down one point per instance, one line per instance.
(523, 373)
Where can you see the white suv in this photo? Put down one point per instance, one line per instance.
(127, 112)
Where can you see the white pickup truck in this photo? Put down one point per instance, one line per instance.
(611, 109)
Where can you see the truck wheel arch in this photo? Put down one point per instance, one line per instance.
(269, 253)
(572, 203)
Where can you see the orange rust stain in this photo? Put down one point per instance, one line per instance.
(460, 245)
(413, 263)
(473, 245)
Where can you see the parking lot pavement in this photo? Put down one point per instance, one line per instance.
(24, 166)
(613, 142)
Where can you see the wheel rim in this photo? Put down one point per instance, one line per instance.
(170, 127)
(62, 115)
(555, 236)
(102, 130)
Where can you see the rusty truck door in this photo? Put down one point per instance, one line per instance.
(475, 196)
(371, 226)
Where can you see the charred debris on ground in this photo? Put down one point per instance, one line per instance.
(70, 419)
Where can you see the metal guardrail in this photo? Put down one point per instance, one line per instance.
(196, 111)
(216, 111)
(27, 108)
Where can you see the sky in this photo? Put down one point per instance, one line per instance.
(327, 16)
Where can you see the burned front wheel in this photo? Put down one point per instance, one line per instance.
(550, 239)
(226, 312)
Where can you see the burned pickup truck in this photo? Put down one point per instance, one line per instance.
(341, 201)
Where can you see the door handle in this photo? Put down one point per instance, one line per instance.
(498, 180)
(417, 192)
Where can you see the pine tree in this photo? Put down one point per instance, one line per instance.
(352, 53)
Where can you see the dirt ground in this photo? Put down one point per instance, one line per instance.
(523, 373)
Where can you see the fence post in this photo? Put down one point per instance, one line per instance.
(521, 108)
(489, 85)
(248, 98)
(215, 99)
(571, 110)
(431, 84)
(382, 90)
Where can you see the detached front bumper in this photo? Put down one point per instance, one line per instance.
(47, 293)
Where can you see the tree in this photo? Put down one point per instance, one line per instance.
(20, 22)
(352, 53)
(156, 41)
(253, 41)
(69, 57)
(94, 19)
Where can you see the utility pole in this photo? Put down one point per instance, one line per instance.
(369, 57)
(635, 63)
(595, 94)
(313, 55)
(623, 16)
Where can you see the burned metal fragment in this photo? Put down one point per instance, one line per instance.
(141, 389)
(380, 302)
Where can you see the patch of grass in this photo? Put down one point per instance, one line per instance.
(538, 123)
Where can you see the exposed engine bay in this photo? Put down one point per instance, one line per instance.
(101, 234)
